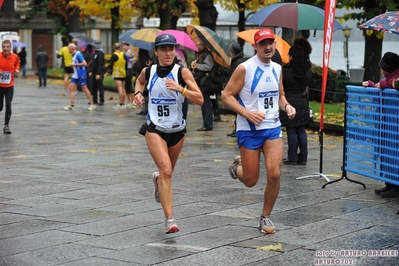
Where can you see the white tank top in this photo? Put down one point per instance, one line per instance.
(260, 92)
(165, 106)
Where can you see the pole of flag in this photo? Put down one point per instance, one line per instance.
(329, 19)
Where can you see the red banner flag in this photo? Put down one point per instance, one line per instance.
(329, 18)
(1, 3)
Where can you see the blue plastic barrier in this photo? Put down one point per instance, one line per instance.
(372, 133)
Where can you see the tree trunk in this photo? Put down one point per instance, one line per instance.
(372, 55)
(73, 23)
(241, 20)
(114, 25)
(207, 13)
(165, 15)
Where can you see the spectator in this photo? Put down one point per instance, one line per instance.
(88, 55)
(201, 67)
(237, 57)
(97, 75)
(41, 59)
(143, 61)
(22, 61)
(296, 77)
(389, 65)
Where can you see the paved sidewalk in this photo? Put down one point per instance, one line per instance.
(76, 190)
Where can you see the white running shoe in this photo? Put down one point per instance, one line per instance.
(130, 106)
(171, 226)
(119, 107)
(69, 108)
(155, 180)
(92, 107)
(266, 225)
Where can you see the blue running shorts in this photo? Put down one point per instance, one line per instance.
(254, 140)
(82, 81)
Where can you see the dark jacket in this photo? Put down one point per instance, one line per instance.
(41, 58)
(238, 59)
(22, 57)
(296, 78)
(97, 65)
(88, 56)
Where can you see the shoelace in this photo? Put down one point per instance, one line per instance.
(267, 221)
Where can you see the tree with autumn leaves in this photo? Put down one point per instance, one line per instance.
(67, 13)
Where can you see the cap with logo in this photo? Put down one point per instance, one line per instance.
(165, 39)
(263, 34)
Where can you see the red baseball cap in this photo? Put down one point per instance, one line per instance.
(264, 34)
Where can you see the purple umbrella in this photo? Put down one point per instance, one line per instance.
(19, 44)
(387, 22)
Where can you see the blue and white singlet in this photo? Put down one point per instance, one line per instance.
(165, 106)
(78, 71)
(260, 92)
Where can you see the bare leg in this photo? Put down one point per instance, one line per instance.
(165, 158)
(88, 94)
(72, 89)
(273, 153)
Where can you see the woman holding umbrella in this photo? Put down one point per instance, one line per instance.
(165, 127)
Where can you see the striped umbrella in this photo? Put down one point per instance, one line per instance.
(143, 38)
(292, 16)
(216, 44)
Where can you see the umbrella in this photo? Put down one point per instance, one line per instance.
(182, 38)
(82, 37)
(293, 16)
(387, 22)
(143, 38)
(219, 48)
(282, 46)
(125, 37)
(19, 44)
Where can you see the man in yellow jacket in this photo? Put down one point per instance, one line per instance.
(67, 60)
(118, 68)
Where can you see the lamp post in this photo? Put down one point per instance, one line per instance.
(347, 34)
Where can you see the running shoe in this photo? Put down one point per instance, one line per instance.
(119, 107)
(266, 225)
(155, 180)
(234, 165)
(92, 107)
(69, 108)
(6, 130)
(130, 106)
(171, 226)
